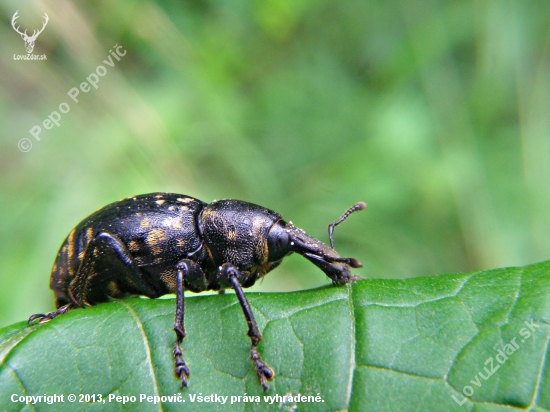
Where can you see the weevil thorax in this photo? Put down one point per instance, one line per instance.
(324, 257)
(236, 232)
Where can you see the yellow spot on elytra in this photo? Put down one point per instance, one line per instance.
(145, 223)
(176, 224)
(169, 279)
(184, 199)
(71, 245)
(89, 234)
(155, 238)
(160, 202)
(113, 289)
(258, 228)
(133, 246)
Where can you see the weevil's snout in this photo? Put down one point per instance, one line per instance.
(325, 258)
(339, 272)
(285, 238)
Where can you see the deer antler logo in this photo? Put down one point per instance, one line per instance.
(29, 40)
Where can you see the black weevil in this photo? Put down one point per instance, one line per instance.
(162, 243)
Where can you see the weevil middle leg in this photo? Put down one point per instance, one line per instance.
(181, 369)
(186, 270)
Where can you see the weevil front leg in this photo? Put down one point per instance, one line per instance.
(263, 370)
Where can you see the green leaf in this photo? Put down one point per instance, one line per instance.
(416, 344)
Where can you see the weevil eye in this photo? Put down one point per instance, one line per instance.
(278, 241)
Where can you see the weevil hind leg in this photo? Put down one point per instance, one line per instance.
(106, 261)
(108, 265)
(43, 318)
(263, 370)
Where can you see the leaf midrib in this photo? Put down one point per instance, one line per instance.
(146, 344)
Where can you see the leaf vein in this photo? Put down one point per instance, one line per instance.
(146, 345)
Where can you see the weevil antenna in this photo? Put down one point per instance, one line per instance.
(354, 208)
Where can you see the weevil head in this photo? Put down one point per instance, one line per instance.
(285, 238)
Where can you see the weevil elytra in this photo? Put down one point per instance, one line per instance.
(162, 243)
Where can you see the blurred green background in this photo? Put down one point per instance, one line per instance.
(436, 113)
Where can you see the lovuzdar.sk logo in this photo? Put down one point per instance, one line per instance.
(29, 40)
